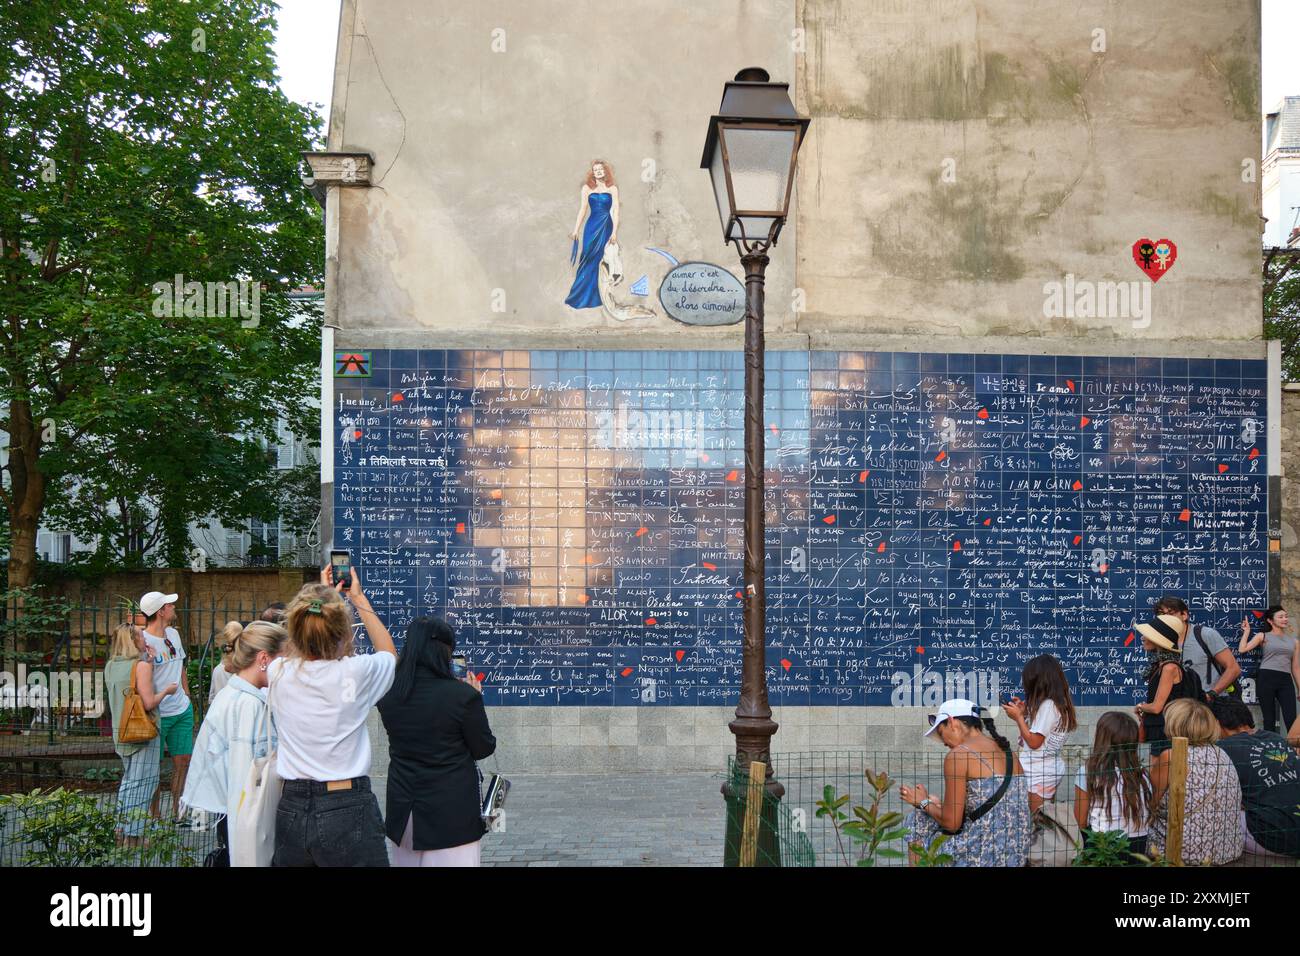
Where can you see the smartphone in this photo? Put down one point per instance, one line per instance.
(459, 666)
(342, 568)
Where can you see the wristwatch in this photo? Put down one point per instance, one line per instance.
(924, 803)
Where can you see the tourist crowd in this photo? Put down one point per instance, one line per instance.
(291, 686)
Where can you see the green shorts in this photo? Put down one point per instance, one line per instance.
(177, 733)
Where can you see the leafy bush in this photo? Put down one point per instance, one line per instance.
(70, 828)
(1109, 848)
(870, 828)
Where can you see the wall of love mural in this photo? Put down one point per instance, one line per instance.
(578, 515)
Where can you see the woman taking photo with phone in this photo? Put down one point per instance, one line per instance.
(1279, 671)
(320, 696)
(437, 728)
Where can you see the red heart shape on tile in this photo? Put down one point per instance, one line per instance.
(652, 621)
(679, 655)
(460, 527)
(863, 476)
(1077, 486)
(987, 522)
(731, 476)
(881, 549)
(829, 519)
(1084, 421)
(920, 649)
(1128, 640)
(1069, 383)
(982, 413)
(1154, 258)
(357, 433)
(941, 456)
(480, 675)
(786, 664)
(740, 595)
(708, 566)
(956, 545)
(641, 531)
(1222, 469)
(1186, 515)
(1078, 538)
(627, 671)
(398, 396)
(1254, 453)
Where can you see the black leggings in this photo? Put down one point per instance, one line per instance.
(1276, 689)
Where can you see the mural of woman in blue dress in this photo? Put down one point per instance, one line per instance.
(599, 203)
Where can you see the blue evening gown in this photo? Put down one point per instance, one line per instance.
(585, 293)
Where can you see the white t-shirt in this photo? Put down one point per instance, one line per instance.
(168, 665)
(1044, 766)
(1099, 820)
(320, 710)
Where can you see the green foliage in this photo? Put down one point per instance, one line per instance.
(1111, 848)
(931, 855)
(31, 624)
(867, 827)
(69, 828)
(1282, 310)
(136, 150)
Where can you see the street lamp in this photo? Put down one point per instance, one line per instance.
(750, 153)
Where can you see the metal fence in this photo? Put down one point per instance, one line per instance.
(56, 692)
(1212, 825)
(86, 815)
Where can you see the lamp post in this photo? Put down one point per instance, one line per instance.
(750, 153)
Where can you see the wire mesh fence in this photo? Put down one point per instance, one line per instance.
(761, 829)
(848, 806)
(55, 656)
(90, 816)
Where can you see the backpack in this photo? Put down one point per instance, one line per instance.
(1234, 689)
(1189, 687)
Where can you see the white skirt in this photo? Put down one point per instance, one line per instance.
(467, 854)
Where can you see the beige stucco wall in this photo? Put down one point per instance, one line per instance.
(1060, 158)
(480, 153)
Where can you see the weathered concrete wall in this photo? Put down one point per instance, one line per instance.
(962, 154)
(483, 120)
(1290, 495)
(1059, 158)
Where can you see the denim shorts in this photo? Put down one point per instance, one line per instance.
(315, 826)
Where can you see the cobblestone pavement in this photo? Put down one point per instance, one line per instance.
(630, 819)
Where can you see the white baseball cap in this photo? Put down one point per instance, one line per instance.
(152, 602)
(957, 707)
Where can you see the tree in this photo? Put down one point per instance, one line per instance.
(144, 141)
(1282, 306)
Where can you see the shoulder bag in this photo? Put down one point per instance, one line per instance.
(252, 840)
(137, 725)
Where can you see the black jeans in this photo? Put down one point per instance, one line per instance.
(319, 827)
(1275, 690)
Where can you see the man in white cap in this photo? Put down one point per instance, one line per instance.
(175, 712)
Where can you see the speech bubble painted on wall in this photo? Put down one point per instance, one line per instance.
(701, 293)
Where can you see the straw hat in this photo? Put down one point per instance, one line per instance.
(1164, 631)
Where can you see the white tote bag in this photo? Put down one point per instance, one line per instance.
(252, 842)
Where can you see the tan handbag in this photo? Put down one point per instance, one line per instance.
(137, 724)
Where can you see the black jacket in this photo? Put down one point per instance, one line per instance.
(434, 737)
